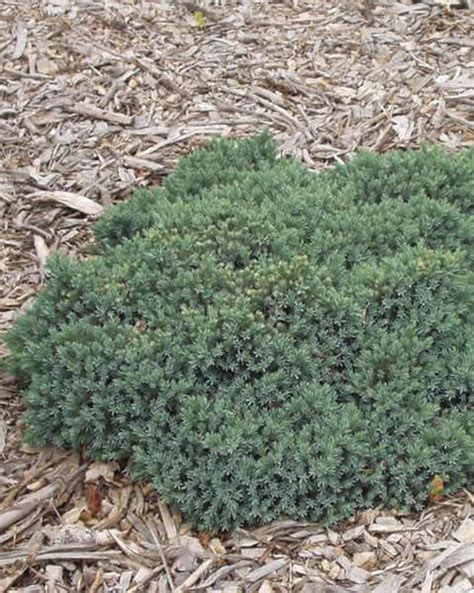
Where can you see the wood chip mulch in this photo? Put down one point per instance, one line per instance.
(100, 96)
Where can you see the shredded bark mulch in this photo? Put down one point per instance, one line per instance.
(100, 96)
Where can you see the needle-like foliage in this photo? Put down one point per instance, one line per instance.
(262, 342)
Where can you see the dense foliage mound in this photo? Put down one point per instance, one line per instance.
(262, 342)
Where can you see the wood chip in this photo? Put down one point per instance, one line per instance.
(88, 110)
(266, 570)
(71, 200)
(137, 163)
(390, 583)
(21, 39)
(197, 574)
(168, 522)
(465, 532)
(3, 435)
(42, 250)
(26, 505)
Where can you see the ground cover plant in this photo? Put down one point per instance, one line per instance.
(261, 342)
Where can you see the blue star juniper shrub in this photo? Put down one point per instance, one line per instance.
(262, 342)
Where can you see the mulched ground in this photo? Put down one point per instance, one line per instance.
(100, 96)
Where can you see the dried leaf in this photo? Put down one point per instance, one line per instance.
(205, 538)
(93, 499)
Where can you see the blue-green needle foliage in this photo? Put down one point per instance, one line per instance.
(262, 342)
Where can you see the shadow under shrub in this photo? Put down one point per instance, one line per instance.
(262, 342)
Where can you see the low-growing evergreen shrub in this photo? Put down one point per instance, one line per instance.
(262, 342)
